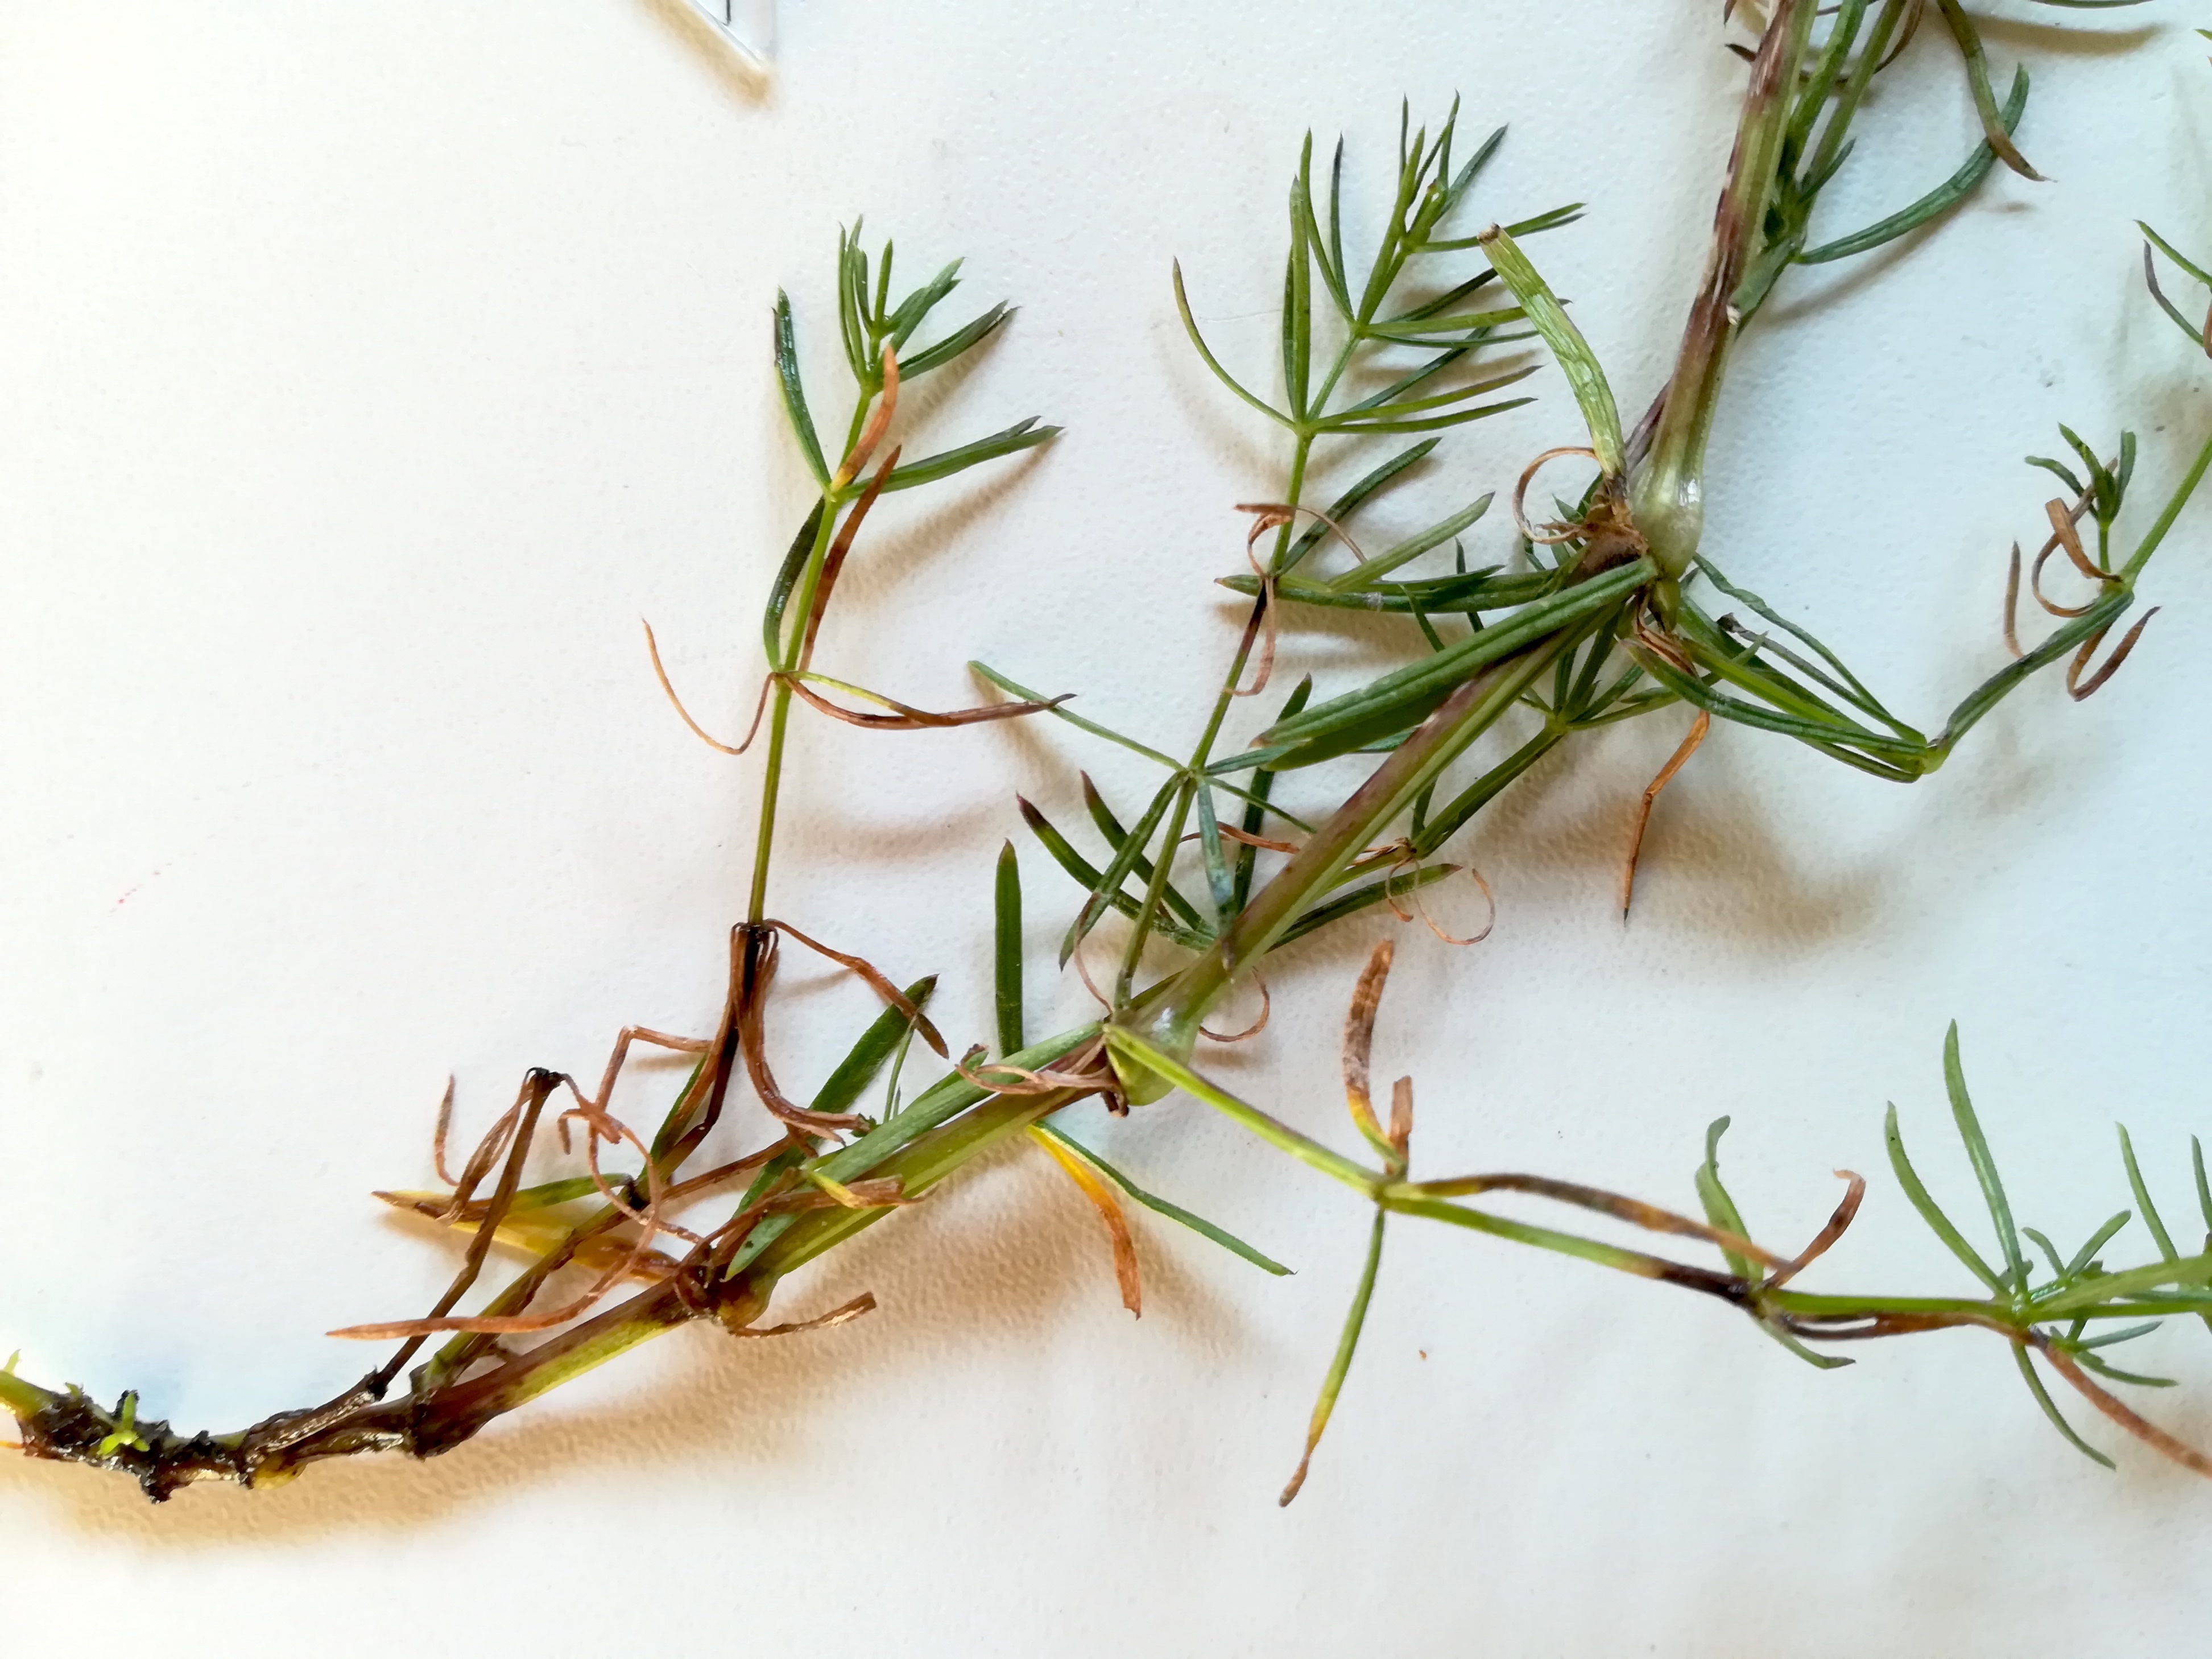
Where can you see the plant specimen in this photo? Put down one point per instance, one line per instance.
(1221, 866)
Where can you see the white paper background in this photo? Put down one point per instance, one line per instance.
(371, 369)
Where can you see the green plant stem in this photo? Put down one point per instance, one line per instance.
(1179, 813)
(1314, 869)
(779, 718)
(23, 1398)
(1205, 985)
(947, 1126)
(2105, 1296)
(1667, 499)
(796, 611)
(1171, 1018)
(2172, 511)
(1828, 154)
(798, 607)
(928, 1158)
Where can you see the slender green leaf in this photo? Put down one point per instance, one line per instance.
(2111, 1339)
(2087, 1254)
(2151, 1219)
(1830, 737)
(880, 311)
(1993, 129)
(1111, 827)
(1938, 1222)
(1364, 416)
(1134, 1053)
(1825, 1362)
(1550, 219)
(794, 391)
(1851, 688)
(2043, 1398)
(1126, 856)
(1022, 434)
(2145, 1284)
(1328, 259)
(986, 672)
(1006, 912)
(2090, 1362)
(1475, 164)
(1362, 898)
(1744, 664)
(1104, 888)
(2097, 472)
(1336, 221)
(2176, 255)
(953, 346)
(1205, 354)
(1720, 1209)
(848, 315)
(1938, 200)
(2195, 332)
(1478, 590)
(1350, 502)
(2057, 471)
(1218, 880)
(858, 1069)
(1175, 1212)
(1347, 1342)
(898, 1068)
(787, 578)
(1256, 805)
(1820, 83)
(1404, 383)
(899, 326)
(1391, 254)
(1423, 330)
(1366, 575)
(1381, 427)
(1443, 303)
(1297, 316)
(2057, 1267)
(1576, 359)
(1397, 700)
(1442, 826)
(2062, 642)
(1984, 1163)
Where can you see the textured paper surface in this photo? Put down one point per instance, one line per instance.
(371, 371)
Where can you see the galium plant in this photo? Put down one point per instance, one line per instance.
(1607, 616)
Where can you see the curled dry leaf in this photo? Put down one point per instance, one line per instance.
(2142, 1428)
(1551, 534)
(1109, 1204)
(845, 1314)
(1679, 758)
(1359, 1041)
(1258, 1025)
(1825, 1238)
(2081, 690)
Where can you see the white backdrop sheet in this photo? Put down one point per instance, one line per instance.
(373, 368)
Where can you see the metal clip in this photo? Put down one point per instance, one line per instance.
(747, 26)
